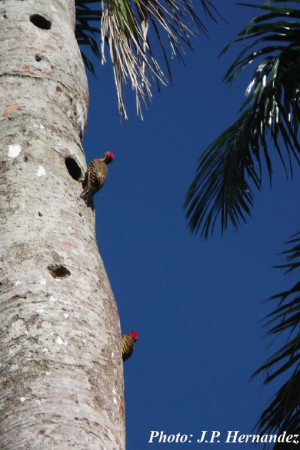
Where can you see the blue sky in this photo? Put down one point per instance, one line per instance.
(197, 305)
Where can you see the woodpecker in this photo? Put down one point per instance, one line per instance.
(95, 177)
(128, 342)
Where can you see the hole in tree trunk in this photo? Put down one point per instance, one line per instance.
(58, 271)
(73, 168)
(40, 22)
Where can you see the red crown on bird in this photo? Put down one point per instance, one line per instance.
(134, 335)
(109, 157)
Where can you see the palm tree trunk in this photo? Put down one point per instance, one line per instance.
(61, 375)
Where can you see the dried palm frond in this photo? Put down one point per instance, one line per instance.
(126, 31)
(125, 26)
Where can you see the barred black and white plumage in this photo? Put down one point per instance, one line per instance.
(95, 176)
(128, 342)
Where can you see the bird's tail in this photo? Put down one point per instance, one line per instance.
(87, 196)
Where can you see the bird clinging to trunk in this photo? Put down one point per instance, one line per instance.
(95, 177)
(128, 342)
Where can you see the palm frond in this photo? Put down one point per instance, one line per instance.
(126, 27)
(232, 165)
(283, 412)
(87, 28)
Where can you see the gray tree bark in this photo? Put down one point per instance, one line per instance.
(61, 375)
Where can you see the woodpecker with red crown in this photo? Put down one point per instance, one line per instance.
(95, 177)
(128, 342)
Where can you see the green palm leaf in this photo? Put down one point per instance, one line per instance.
(231, 166)
(283, 412)
(87, 28)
